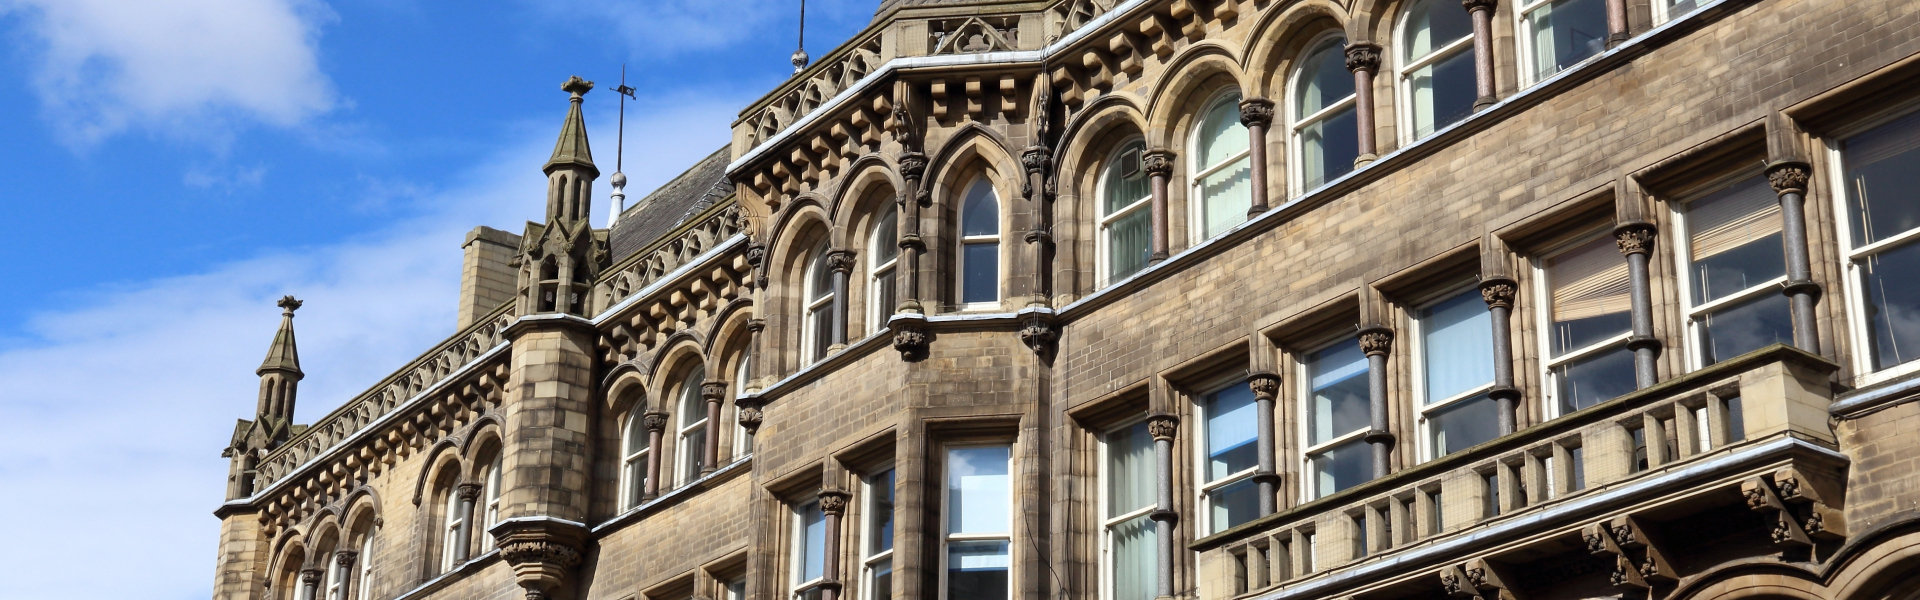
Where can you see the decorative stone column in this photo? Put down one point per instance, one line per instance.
(463, 537)
(833, 504)
(656, 423)
(1636, 239)
(343, 571)
(1377, 341)
(1363, 59)
(1498, 289)
(1266, 387)
(1257, 115)
(309, 583)
(840, 262)
(1789, 179)
(1616, 22)
(1039, 236)
(1159, 165)
(909, 328)
(1163, 427)
(543, 552)
(712, 391)
(1481, 11)
(756, 346)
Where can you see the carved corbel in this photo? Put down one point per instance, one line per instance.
(1489, 580)
(1601, 542)
(1818, 499)
(1037, 331)
(749, 413)
(910, 336)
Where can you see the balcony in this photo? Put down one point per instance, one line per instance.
(1731, 462)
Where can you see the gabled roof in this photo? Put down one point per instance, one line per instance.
(659, 212)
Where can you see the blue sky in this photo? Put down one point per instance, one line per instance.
(170, 167)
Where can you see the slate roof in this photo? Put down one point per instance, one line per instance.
(689, 194)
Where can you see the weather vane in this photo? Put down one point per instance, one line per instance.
(619, 195)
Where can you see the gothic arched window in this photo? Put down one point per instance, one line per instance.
(1222, 174)
(1436, 66)
(1326, 132)
(693, 427)
(885, 254)
(819, 325)
(1125, 232)
(980, 246)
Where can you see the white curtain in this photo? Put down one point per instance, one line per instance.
(1457, 340)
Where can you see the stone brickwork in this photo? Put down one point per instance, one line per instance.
(486, 277)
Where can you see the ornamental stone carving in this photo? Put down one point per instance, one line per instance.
(833, 502)
(1159, 163)
(755, 326)
(1498, 292)
(910, 338)
(1163, 427)
(1473, 5)
(1363, 56)
(1635, 237)
(1256, 112)
(345, 558)
(1036, 158)
(756, 253)
(545, 553)
(654, 420)
(1266, 386)
(913, 165)
(840, 261)
(1376, 340)
(1037, 332)
(1789, 176)
(749, 413)
(712, 390)
(310, 576)
(467, 491)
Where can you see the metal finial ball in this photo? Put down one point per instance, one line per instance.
(619, 179)
(799, 60)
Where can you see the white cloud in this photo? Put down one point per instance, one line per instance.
(117, 409)
(193, 68)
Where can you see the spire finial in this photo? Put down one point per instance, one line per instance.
(289, 303)
(576, 86)
(800, 53)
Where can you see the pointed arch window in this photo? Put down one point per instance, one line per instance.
(885, 251)
(633, 457)
(1125, 195)
(365, 580)
(819, 324)
(742, 439)
(693, 427)
(450, 532)
(1436, 67)
(980, 246)
(1222, 174)
(1326, 130)
(492, 511)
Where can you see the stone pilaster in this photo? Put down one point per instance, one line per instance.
(1481, 12)
(1159, 166)
(546, 470)
(1363, 59)
(1257, 115)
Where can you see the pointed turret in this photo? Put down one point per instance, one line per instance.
(560, 258)
(283, 355)
(273, 417)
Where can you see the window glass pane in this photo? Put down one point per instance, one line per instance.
(1324, 79)
(1228, 194)
(1883, 180)
(1221, 135)
(880, 516)
(1135, 563)
(693, 453)
(1676, 8)
(1126, 180)
(1130, 470)
(886, 241)
(880, 586)
(1328, 147)
(1577, 457)
(1232, 426)
(977, 489)
(636, 432)
(1891, 281)
(1338, 376)
(1442, 92)
(1457, 344)
(1234, 504)
(1745, 327)
(822, 324)
(1565, 33)
(1735, 237)
(813, 542)
(1589, 289)
(1127, 239)
(822, 276)
(1432, 24)
(982, 279)
(884, 301)
(981, 213)
(977, 570)
(1463, 425)
(692, 406)
(1736, 421)
(1342, 467)
(1594, 379)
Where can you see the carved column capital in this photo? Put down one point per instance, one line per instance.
(1158, 163)
(840, 260)
(654, 420)
(834, 502)
(913, 165)
(1363, 56)
(1473, 5)
(756, 253)
(1635, 237)
(1036, 159)
(1376, 340)
(1498, 292)
(713, 390)
(310, 576)
(345, 558)
(467, 491)
(1256, 112)
(1163, 427)
(1789, 176)
(1266, 386)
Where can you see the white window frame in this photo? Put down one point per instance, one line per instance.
(1196, 200)
(947, 536)
(633, 467)
(867, 556)
(1663, 13)
(810, 331)
(450, 528)
(492, 495)
(1309, 482)
(740, 435)
(684, 472)
(1417, 346)
(877, 315)
(1854, 295)
(799, 550)
(335, 579)
(1201, 456)
(1404, 71)
(1297, 174)
(1691, 314)
(1107, 524)
(365, 563)
(999, 253)
(1103, 243)
(1543, 323)
(1529, 72)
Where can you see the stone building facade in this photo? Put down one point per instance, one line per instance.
(1199, 299)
